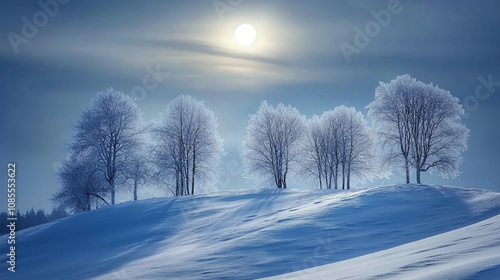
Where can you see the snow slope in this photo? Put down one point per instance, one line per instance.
(468, 252)
(260, 233)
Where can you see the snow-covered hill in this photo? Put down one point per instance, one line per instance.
(471, 252)
(261, 233)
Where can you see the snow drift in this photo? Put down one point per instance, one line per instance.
(471, 251)
(262, 233)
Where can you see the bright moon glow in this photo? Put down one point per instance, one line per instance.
(245, 34)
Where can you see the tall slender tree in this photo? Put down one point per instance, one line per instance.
(188, 148)
(338, 143)
(108, 130)
(272, 144)
(139, 169)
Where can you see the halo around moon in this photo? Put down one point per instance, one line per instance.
(245, 34)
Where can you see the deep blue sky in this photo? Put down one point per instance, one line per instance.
(88, 46)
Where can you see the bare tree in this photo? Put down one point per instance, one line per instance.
(188, 147)
(108, 130)
(82, 185)
(437, 137)
(418, 125)
(338, 142)
(322, 149)
(391, 114)
(139, 168)
(272, 143)
(357, 144)
(315, 162)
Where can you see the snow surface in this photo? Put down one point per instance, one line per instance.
(468, 252)
(262, 233)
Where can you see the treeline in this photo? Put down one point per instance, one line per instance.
(413, 126)
(32, 218)
(329, 150)
(115, 150)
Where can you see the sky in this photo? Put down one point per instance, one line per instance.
(313, 55)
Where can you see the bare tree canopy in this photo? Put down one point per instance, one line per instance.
(82, 185)
(108, 131)
(139, 167)
(188, 148)
(338, 144)
(272, 143)
(415, 124)
(418, 125)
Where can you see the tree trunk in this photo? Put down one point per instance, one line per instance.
(194, 170)
(349, 177)
(177, 186)
(328, 181)
(407, 169)
(181, 179)
(336, 183)
(418, 176)
(112, 192)
(343, 177)
(187, 175)
(320, 182)
(280, 179)
(135, 189)
(192, 185)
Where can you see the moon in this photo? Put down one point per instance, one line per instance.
(245, 34)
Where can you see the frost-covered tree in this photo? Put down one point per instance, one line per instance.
(82, 185)
(108, 130)
(419, 125)
(188, 148)
(338, 144)
(316, 160)
(139, 168)
(356, 144)
(272, 144)
(391, 115)
(438, 138)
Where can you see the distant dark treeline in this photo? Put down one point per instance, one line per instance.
(32, 218)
